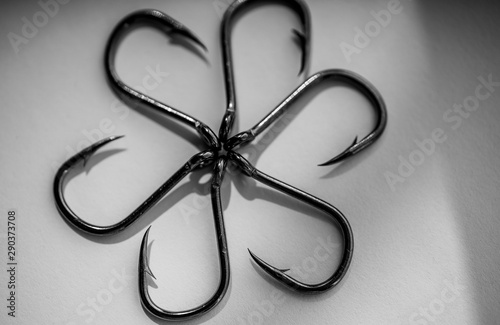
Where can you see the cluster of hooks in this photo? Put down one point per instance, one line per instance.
(221, 149)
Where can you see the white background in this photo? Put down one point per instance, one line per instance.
(437, 229)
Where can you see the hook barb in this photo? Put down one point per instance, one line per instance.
(343, 155)
(88, 152)
(273, 271)
(144, 260)
(303, 43)
(187, 33)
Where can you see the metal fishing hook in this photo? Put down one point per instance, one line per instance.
(300, 9)
(348, 77)
(333, 213)
(170, 26)
(221, 150)
(148, 303)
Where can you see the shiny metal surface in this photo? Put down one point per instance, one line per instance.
(221, 150)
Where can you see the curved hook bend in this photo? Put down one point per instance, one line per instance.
(199, 160)
(349, 77)
(144, 269)
(158, 19)
(304, 39)
(280, 274)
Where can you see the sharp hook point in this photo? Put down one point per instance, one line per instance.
(345, 154)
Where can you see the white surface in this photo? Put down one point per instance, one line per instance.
(438, 228)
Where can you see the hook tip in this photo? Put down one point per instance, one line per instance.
(116, 137)
(256, 259)
(276, 273)
(301, 40)
(144, 254)
(192, 36)
(105, 141)
(343, 155)
(148, 271)
(89, 151)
